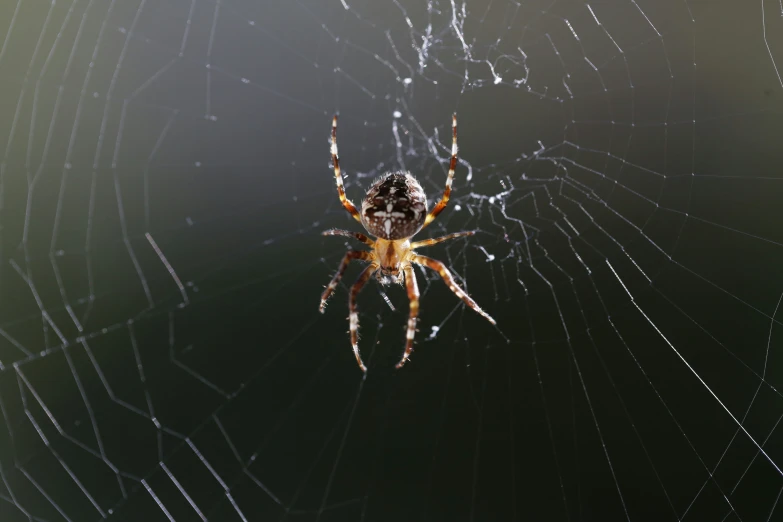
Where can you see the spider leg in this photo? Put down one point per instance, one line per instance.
(347, 233)
(436, 240)
(449, 280)
(349, 256)
(444, 200)
(413, 296)
(354, 316)
(339, 177)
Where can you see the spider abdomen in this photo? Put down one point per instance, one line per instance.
(395, 206)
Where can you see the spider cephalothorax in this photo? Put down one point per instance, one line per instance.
(394, 210)
(391, 254)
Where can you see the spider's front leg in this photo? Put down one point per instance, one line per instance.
(441, 269)
(436, 240)
(349, 256)
(413, 297)
(354, 316)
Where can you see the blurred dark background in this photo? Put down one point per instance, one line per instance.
(620, 161)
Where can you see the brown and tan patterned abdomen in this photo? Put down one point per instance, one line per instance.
(395, 206)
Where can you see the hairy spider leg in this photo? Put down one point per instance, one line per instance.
(354, 316)
(436, 240)
(413, 297)
(349, 256)
(347, 233)
(441, 269)
(339, 177)
(444, 200)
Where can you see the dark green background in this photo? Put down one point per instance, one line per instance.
(664, 160)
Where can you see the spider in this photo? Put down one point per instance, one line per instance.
(393, 210)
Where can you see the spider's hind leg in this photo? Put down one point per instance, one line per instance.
(338, 177)
(347, 233)
(444, 200)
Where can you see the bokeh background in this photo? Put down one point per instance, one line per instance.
(164, 178)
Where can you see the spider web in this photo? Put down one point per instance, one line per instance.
(163, 183)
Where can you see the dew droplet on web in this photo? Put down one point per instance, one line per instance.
(433, 332)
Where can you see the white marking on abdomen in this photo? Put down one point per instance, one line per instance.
(387, 225)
